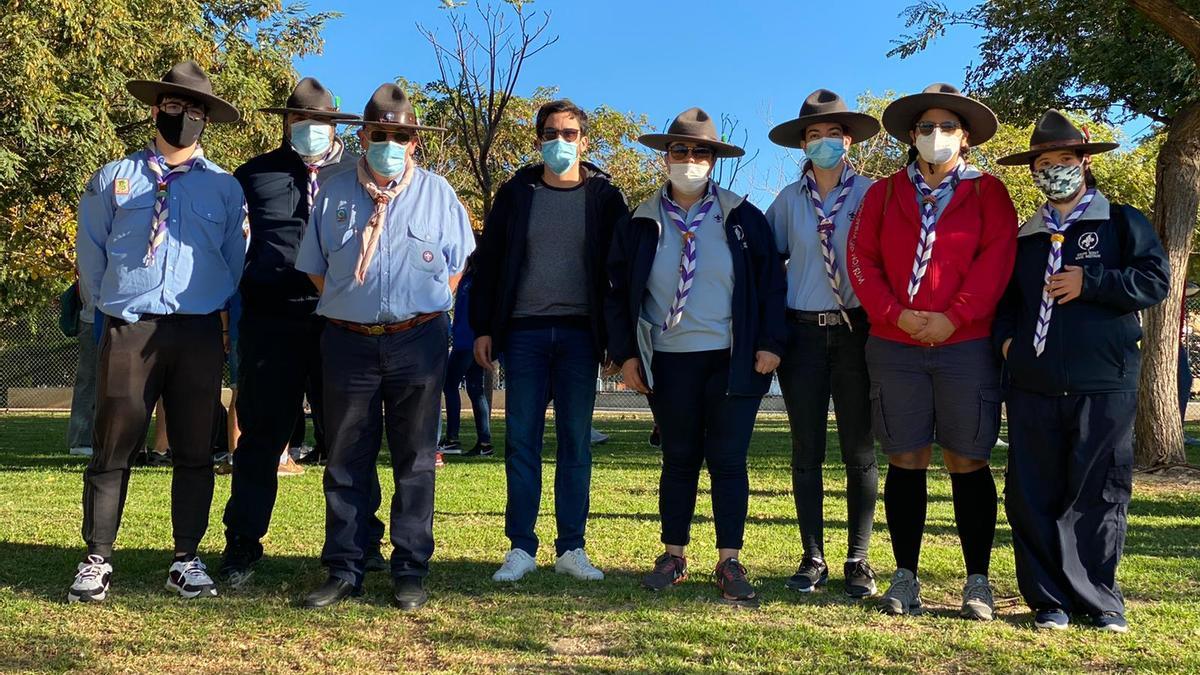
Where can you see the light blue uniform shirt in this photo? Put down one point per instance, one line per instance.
(968, 173)
(196, 268)
(707, 321)
(426, 239)
(794, 223)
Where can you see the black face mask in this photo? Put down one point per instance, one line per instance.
(179, 130)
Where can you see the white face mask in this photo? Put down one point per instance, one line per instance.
(689, 178)
(938, 148)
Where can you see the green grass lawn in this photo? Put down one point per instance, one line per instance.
(548, 622)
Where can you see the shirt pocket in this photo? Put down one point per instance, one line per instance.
(203, 226)
(424, 248)
(132, 220)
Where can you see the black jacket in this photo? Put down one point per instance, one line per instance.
(501, 252)
(1092, 341)
(759, 287)
(276, 185)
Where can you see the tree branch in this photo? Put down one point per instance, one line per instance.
(1175, 21)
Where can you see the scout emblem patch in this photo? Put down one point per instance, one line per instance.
(427, 256)
(341, 214)
(121, 186)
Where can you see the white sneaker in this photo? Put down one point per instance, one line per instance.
(82, 451)
(91, 581)
(190, 579)
(576, 564)
(517, 563)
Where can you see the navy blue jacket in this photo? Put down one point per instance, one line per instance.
(759, 287)
(1092, 342)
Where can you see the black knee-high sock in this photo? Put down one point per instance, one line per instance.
(975, 516)
(904, 501)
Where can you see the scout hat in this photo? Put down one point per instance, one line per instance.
(824, 106)
(390, 108)
(901, 114)
(311, 98)
(1055, 132)
(189, 80)
(695, 126)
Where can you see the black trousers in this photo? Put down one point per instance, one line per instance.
(279, 359)
(824, 361)
(374, 385)
(1070, 474)
(701, 424)
(178, 358)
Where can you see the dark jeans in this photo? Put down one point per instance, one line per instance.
(821, 361)
(537, 361)
(1185, 381)
(462, 365)
(178, 358)
(701, 424)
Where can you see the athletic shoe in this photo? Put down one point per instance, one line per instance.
(300, 452)
(977, 603)
(289, 468)
(91, 581)
(1052, 619)
(481, 450)
(1111, 621)
(575, 563)
(860, 579)
(903, 596)
(813, 572)
(517, 563)
(159, 459)
(222, 457)
(225, 468)
(450, 446)
(730, 577)
(237, 565)
(438, 460)
(655, 440)
(189, 578)
(669, 570)
(598, 438)
(82, 451)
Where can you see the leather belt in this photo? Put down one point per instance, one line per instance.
(376, 329)
(823, 319)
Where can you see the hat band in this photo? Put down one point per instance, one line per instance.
(1050, 145)
(395, 118)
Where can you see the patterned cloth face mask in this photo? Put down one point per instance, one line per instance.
(1059, 182)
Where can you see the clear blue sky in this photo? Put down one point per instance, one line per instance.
(754, 60)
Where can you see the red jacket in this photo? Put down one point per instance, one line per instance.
(971, 263)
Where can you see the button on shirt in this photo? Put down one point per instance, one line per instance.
(426, 238)
(794, 224)
(196, 268)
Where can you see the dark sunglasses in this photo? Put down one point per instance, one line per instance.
(680, 152)
(568, 135)
(381, 136)
(926, 128)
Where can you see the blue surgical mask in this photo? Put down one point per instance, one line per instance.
(387, 158)
(825, 153)
(559, 155)
(310, 138)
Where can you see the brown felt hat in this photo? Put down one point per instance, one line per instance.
(902, 114)
(390, 108)
(186, 79)
(824, 106)
(311, 98)
(1054, 131)
(692, 126)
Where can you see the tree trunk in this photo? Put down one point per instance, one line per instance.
(1158, 432)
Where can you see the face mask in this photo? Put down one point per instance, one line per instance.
(179, 130)
(938, 148)
(689, 178)
(387, 158)
(825, 153)
(310, 138)
(559, 155)
(1059, 182)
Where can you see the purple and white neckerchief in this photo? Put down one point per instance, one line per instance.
(929, 199)
(825, 228)
(687, 259)
(1054, 263)
(163, 176)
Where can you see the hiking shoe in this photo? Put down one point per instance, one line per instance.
(977, 604)
(1111, 621)
(517, 563)
(237, 565)
(730, 577)
(481, 450)
(575, 563)
(81, 451)
(450, 446)
(438, 460)
(1051, 619)
(655, 439)
(91, 581)
(289, 468)
(813, 572)
(903, 596)
(189, 578)
(669, 570)
(860, 579)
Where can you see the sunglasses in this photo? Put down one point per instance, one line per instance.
(568, 135)
(194, 113)
(680, 152)
(381, 136)
(926, 128)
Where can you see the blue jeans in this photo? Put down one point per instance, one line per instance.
(462, 365)
(542, 363)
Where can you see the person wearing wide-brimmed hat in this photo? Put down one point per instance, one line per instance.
(160, 248)
(930, 253)
(827, 334)
(696, 319)
(381, 245)
(278, 346)
(1069, 332)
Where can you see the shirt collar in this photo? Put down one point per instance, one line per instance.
(969, 172)
(1098, 210)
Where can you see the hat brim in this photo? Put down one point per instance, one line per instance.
(359, 122)
(859, 126)
(220, 111)
(661, 142)
(334, 115)
(1028, 156)
(900, 116)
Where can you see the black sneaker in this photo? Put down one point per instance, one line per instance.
(481, 450)
(158, 459)
(237, 565)
(812, 574)
(1111, 621)
(669, 570)
(730, 577)
(655, 438)
(860, 579)
(450, 446)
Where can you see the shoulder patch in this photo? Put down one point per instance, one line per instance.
(121, 186)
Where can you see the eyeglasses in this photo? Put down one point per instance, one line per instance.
(568, 135)
(195, 113)
(680, 152)
(926, 128)
(381, 136)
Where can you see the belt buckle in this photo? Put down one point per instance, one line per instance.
(375, 329)
(822, 319)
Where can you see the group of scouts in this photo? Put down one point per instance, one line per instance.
(916, 302)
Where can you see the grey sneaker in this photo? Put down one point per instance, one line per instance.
(978, 603)
(903, 596)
